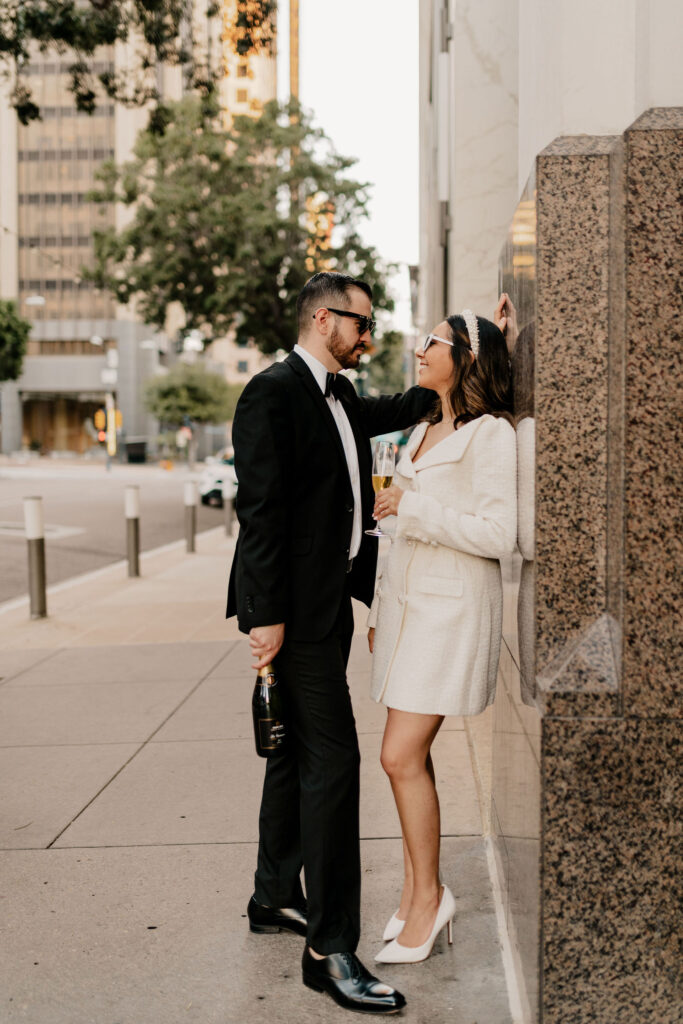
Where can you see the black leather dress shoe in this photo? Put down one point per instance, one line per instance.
(276, 919)
(343, 976)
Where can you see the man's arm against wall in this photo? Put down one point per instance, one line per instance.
(261, 436)
(385, 413)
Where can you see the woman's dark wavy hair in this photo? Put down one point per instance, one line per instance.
(480, 386)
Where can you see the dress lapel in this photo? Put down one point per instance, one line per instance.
(405, 466)
(451, 449)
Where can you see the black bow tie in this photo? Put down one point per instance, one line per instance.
(334, 386)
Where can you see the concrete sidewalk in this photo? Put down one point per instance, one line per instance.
(129, 790)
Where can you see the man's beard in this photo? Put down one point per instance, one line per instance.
(348, 358)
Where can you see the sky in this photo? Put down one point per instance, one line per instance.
(358, 72)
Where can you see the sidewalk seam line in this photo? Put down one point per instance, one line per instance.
(50, 654)
(142, 745)
(208, 842)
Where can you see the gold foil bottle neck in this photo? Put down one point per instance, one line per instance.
(267, 671)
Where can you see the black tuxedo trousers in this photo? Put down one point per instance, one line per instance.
(295, 509)
(309, 807)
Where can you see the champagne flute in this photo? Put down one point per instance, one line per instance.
(382, 474)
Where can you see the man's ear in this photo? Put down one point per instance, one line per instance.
(322, 319)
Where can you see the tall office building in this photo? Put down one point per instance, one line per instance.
(248, 83)
(83, 345)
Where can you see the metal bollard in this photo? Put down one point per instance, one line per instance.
(190, 515)
(229, 507)
(228, 492)
(132, 507)
(35, 535)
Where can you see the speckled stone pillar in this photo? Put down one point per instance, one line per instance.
(608, 443)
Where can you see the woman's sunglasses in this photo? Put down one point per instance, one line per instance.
(428, 341)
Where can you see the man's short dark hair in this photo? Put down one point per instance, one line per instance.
(326, 288)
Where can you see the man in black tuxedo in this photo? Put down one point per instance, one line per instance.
(303, 463)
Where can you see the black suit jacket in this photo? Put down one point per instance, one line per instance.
(294, 498)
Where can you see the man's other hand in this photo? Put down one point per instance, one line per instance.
(265, 642)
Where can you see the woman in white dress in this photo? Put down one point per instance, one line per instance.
(435, 623)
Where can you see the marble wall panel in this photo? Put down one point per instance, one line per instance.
(575, 247)
(608, 430)
(584, 722)
(653, 653)
(611, 811)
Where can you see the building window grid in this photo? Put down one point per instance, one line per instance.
(35, 201)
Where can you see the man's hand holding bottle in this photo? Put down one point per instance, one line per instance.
(265, 642)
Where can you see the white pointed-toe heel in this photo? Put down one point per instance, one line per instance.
(395, 953)
(393, 929)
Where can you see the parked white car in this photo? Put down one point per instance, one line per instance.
(218, 482)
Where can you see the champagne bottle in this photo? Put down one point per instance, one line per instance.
(266, 707)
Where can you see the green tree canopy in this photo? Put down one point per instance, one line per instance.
(159, 32)
(385, 369)
(14, 332)
(190, 392)
(230, 223)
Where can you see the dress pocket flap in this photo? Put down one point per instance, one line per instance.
(441, 585)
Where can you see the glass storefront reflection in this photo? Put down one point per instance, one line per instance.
(516, 741)
(518, 281)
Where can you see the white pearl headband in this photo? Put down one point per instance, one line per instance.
(472, 329)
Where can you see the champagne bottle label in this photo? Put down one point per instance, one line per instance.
(271, 733)
(269, 729)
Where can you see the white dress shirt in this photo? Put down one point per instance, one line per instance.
(348, 441)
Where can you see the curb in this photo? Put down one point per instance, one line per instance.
(105, 570)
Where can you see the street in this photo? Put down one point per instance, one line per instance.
(84, 516)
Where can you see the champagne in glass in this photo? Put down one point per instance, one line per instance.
(379, 483)
(382, 475)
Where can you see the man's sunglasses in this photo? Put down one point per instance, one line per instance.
(429, 340)
(365, 323)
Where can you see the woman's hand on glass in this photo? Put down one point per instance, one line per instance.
(383, 464)
(505, 317)
(387, 502)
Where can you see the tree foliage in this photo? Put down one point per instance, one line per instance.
(189, 393)
(230, 223)
(159, 31)
(385, 369)
(14, 332)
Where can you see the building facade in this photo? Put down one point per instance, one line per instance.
(82, 346)
(551, 155)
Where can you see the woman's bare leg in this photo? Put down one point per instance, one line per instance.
(407, 893)
(406, 760)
